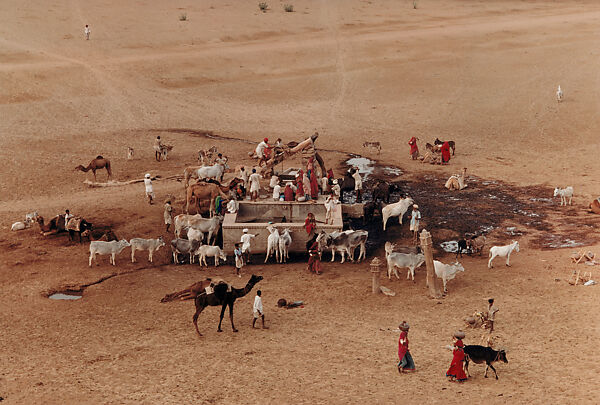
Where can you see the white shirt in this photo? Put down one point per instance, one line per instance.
(357, 181)
(245, 239)
(148, 184)
(276, 192)
(232, 206)
(255, 182)
(261, 148)
(324, 184)
(67, 217)
(258, 304)
(274, 181)
(87, 30)
(244, 176)
(336, 189)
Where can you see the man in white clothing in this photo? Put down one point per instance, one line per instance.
(260, 148)
(254, 185)
(246, 239)
(357, 184)
(232, 206)
(149, 189)
(258, 310)
(87, 31)
(335, 189)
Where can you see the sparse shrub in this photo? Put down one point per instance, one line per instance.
(289, 8)
(183, 17)
(263, 7)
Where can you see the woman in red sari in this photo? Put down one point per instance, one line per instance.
(310, 223)
(445, 152)
(406, 361)
(314, 261)
(414, 149)
(456, 371)
(299, 186)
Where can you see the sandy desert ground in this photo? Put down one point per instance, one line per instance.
(483, 73)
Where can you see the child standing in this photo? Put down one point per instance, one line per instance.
(258, 310)
(168, 214)
(415, 218)
(149, 189)
(239, 262)
(491, 314)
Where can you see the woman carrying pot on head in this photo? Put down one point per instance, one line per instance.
(406, 361)
(456, 371)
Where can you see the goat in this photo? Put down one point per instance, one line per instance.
(559, 94)
(272, 243)
(395, 259)
(208, 250)
(503, 251)
(285, 240)
(374, 145)
(151, 245)
(564, 193)
(112, 248)
(479, 354)
(397, 209)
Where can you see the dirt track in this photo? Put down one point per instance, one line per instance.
(481, 73)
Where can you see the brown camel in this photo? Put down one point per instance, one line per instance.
(55, 225)
(202, 191)
(189, 293)
(97, 164)
(223, 298)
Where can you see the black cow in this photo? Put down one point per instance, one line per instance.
(369, 210)
(479, 354)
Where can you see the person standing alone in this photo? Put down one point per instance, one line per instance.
(258, 310)
(87, 31)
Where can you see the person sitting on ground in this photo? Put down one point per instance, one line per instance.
(232, 206)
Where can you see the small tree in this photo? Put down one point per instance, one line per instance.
(288, 8)
(183, 17)
(263, 7)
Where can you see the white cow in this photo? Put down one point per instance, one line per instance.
(272, 243)
(400, 260)
(210, 225)
(564, 193)
(195, 234)
(184, 221)
(396, 210)
(212, 172)
(503, 251)
(19, 226)
(111, 248)
(208, 250)
(447, 271)
(285, 240)
(151, 245)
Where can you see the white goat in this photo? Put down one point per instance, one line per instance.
(151, 245)
(111, 248)
(396, 210)
(213, 251)
(559, 94)
(447, 271)
(503, 251)
(272, 243)
(285, 240)
(564, 193)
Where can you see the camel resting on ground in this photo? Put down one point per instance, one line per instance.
(457, 181)
(188, 293)
(98, 163)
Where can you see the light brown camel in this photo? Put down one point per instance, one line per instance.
(457, 181)
(96, 164)
(189, 293)
(55, 225)
(202, 191)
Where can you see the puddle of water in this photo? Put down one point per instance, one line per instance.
(61, 296)
(450, 246)
(365, 166)
(548, 200)
(564, 244)
(394, 171)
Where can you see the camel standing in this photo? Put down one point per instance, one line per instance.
(224, 298)
(96, 164)
(202, 191)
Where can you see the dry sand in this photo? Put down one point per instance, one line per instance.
(482, 73)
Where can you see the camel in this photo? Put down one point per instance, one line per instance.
(224, 298)
(457, 181)
(189, 293)
(202, 191)
(97, 164)
(55, 225)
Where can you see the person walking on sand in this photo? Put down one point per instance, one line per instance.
(246, 240)
(258, 310)
(87, 31)
(149, 189)
(254, 185)
(456, 371)
(168, 214)
(415, 218)
(406, 361)
(239, 261)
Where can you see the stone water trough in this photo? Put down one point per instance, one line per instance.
(283, 214)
